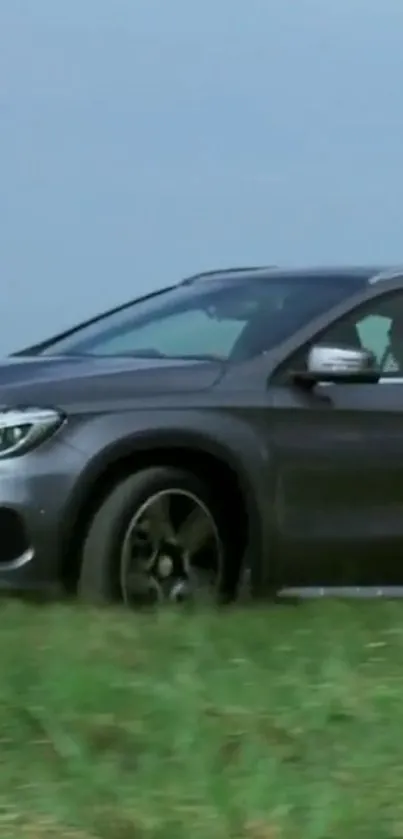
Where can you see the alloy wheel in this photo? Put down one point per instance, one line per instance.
(171, 551)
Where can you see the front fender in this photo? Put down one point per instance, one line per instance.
(105, 439)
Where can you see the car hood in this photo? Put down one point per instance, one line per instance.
(65, 379)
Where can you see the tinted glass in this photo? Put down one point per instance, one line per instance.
(378, 327)
(224, 319)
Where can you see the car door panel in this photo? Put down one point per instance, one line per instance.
(339, 484)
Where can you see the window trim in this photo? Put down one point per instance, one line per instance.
(282, 360)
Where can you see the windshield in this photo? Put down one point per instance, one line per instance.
(214, 319)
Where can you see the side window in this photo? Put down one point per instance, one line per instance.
(376, 326)
(373, 331)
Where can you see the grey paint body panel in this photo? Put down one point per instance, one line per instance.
(321, 472)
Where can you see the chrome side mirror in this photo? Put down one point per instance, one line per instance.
(339, 364)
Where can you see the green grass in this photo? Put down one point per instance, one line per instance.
(277, 723)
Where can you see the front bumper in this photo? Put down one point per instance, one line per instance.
(35, 493)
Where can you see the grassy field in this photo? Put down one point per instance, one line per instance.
(283, 723)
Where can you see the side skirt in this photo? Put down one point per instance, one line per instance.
(350, 592)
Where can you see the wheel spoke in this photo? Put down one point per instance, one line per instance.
(142, 587)
(159, 520)
(195, 531)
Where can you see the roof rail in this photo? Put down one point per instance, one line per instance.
(388, 274)
(214, 272)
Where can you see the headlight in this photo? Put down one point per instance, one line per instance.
(24, 428)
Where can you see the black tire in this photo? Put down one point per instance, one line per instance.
(99, 581)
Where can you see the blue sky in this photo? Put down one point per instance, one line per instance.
(142, 140)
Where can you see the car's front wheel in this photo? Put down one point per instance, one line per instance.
(156, 537)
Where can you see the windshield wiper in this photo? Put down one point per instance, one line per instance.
(200, 357)
(147, 353)
(188, 357)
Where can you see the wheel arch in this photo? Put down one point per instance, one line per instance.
(206, 458)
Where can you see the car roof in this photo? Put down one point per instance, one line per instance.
(353, 273)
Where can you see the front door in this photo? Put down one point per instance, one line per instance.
(339, 484)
